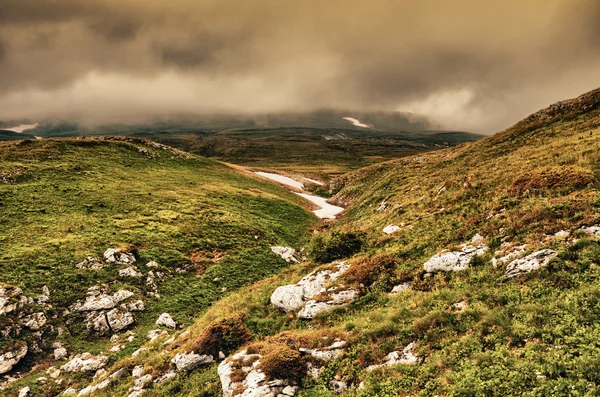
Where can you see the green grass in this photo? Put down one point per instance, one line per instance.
(68, 199)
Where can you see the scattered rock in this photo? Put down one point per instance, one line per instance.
(85, 363)
(10, 299)
(508, 253)
(130, 271)
(592, 231)
(390, 229)
(152, 264)
(60, 353)
(112, 321)
(249, 378)
(10, 358)
(326, 354)
(405, 356)
(339, 299)
(286, 253)
(155, 333)
(24, 392)
(189, 361)
(35, 321)
(138, 352)
(460, 306)
(142, 381)
(292, 297)
(529, 263)
(138, 371)
(166, 320)
(401, 287)
(456, 260)
(166, 377)
(118, 257)
(90, 263)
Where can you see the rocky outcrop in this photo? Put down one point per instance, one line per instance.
(85, 362)
(290, 298)
(530, 263)
(11, 357)
(115, 256)
(241, 372)
(189, 361)
(336, 299)
(166, 320)
(103, 313)
(91, 263)
(287, 253)
(508, 253)
(404, 356)
(12, 298)
(35, 321)
(455, 261)
(130, 271)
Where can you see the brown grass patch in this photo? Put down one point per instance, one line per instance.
(561, 178)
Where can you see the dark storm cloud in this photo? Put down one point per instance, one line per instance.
(468, 64)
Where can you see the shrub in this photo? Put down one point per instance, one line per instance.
(368, 270)
(329, 246)
(566, 178)
(282, 362)
(223, 336)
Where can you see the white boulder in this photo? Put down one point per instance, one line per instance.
(190, 361)
(118, 257)
(10, 358)
(391, 229)
(166, 320)
(405, 356)
(85, 362)
(286, 253)
(455, 261)
(530, 263)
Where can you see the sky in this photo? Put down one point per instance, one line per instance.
(471, 65)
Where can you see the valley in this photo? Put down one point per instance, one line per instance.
(133, 268)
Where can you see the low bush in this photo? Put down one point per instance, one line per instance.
(329, 246)
(223, 336)
(282, 362)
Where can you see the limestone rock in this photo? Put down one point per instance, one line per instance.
(292, 297)
(9, 298)
(24, 392)
(118, 257)
(339, 299)
(405, 356)
(85, 362)
(455, 261)
(10, 358)
(35, 321)
(166, 320)
(90, 263)
(391, 229)
(117, 320)
(190, 361)
(286, 253)
(60, 353)
(529, 263)
(138, 371)
(130, 271)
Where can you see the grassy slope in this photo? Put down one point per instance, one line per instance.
(536, 335)
(63, 200)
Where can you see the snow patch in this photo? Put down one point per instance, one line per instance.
(357, 123)
(327, 211)
(281, 179)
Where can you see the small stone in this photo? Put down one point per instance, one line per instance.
(190, 361)
(24, 392)
(60, 353)
(391, 229)
(138, 371)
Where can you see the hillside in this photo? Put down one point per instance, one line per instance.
(466, 271)
(6, 135)
(184, 232)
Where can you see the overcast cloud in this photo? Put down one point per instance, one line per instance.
(468, 64)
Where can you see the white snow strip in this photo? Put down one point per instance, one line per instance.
(327, 211)
(356, 122)
(282, 179)
(21, 128)
(314, 181)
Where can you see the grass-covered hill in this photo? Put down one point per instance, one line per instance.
(482, 319)
(6, 135)
(321, 144)
(196, 228)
